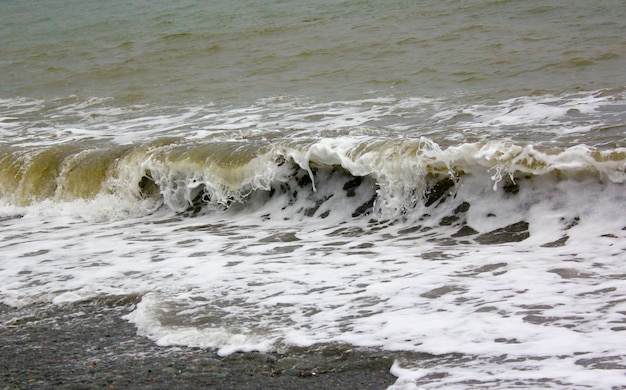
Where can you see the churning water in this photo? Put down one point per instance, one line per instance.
(444, 178)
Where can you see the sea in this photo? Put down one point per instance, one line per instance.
(443, 180)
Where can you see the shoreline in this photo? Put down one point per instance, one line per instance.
(86, 345)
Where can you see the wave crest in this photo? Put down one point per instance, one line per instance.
(183, 175)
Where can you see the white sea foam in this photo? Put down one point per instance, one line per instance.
(266, 262)
(548, 119)
(249, 280)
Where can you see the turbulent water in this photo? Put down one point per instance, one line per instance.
(440, 179)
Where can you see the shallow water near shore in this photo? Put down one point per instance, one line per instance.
(87, 345)
(475, 282)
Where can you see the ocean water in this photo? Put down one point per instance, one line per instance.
(443, 180)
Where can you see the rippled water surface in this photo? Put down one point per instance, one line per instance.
(235, 51)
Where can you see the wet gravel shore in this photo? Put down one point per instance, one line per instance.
(87, 345)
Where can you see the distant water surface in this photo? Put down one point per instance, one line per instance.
(187, 51)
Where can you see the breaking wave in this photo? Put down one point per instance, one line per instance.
(391, 176)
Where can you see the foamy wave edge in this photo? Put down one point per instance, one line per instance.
(402, 170)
